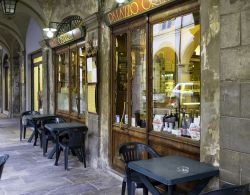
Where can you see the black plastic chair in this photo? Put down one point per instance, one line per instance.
(235, 190)
(134, 151)
(28, 124)
(45, 135)
(75, 142)
(3, 159)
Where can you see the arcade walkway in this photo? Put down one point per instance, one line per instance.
(28, 172)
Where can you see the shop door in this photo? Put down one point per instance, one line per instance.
(37, 84)
(129, 110)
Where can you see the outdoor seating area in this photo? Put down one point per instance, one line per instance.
(64, 135)
(144, 167)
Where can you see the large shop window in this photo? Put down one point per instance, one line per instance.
(176, 76)
(71, 81)
(156, 76)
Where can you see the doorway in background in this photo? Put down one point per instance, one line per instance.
(37, 82)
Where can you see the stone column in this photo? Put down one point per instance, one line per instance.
(93, 120)
(22, 81)
(48, 79)
(210, 81)
(15, 103)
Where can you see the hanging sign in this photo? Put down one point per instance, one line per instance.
(66, 37)
(133, 8)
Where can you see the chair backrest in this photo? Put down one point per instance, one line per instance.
(134, 151)
(77, 137)
(235, 190)
(3, 160)
(30, 112)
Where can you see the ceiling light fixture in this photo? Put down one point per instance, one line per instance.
(9, 6)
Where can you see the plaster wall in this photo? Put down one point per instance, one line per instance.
(235, 91)
(33, 37)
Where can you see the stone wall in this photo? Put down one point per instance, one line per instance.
(235, 91)
(210, 88)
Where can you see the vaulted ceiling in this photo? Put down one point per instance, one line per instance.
(15, 27)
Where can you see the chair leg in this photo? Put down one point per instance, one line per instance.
(145, 191)
(24, 132)
(123, 187)
(59, 152)
(41, 140)
(44, 144)
(66, 154)
(84, 158)
(21, 130)
(133, 187)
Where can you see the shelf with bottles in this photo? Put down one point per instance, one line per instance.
(184, 123)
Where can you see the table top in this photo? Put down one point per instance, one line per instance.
(39, 116)
(167, 169)
(63, 126)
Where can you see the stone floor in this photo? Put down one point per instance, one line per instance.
(28, 172)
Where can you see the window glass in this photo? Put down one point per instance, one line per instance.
(176, 76)
(73, 80)
(82, 76)
(63, 82)
(121, 68)
(138, 62)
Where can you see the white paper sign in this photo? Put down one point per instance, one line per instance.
(89, 64)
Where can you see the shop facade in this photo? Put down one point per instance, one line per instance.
(156, 78)
(157, 62)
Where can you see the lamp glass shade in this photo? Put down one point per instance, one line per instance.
(49, 29)
(50, 34)
(120, 1)
(9, 6)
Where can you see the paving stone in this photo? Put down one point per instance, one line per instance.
(27, 172)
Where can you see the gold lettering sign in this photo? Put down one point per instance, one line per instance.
(64, 38)
(133, 8)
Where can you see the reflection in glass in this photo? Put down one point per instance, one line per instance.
(176, 73)
(138, 57)
(82, 67)
(121, 78)
(63, 82)
(73, 80)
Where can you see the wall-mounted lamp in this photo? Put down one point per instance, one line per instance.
(120, 1)
(9, 6)
(55, 26)
(50, 32)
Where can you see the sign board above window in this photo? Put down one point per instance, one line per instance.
(66, 37)
(134, 8)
